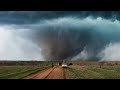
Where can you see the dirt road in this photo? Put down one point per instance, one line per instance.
(52, 73)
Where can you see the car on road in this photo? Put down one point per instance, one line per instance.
(64, 65)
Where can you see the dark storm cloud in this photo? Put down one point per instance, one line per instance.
(68, 37)
(25, 17)
(58, 35)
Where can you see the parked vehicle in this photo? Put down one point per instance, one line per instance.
(64, 65)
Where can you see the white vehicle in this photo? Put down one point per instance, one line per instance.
(64, 65)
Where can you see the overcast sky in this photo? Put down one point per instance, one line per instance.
(60, 35)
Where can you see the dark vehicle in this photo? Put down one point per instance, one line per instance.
(70, 64)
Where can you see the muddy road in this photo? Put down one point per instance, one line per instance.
(52, 73)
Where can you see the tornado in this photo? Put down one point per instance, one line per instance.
(60, 35)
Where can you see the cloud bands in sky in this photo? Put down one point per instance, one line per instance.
(84, 35)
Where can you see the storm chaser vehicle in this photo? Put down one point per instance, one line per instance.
(64, 65)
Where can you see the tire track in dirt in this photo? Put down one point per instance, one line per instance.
(64, 73)
(40, 74)
(52, 73)
(57, 73)
(49, 73)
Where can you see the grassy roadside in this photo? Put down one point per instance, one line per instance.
(84, 74)
(90, 72)
(18, 72)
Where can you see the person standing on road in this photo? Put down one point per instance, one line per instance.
(52, 65)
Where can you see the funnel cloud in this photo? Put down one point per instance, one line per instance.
(60, 35)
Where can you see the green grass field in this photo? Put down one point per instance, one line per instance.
(95, 72)
(18, 72)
